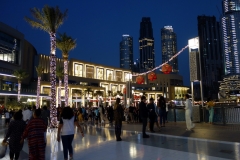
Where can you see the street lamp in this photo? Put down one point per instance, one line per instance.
(128, 78)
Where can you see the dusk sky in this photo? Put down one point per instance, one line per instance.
(98, 25)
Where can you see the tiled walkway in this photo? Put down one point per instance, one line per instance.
(99, 144)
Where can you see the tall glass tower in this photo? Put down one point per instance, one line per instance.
(126, 52)
(146, 45)
(211, 55)
(169, 46)
(231, 35)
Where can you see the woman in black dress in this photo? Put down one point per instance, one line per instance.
(15, 131)
(118, 117)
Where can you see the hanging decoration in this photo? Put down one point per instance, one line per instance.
(139, 80)
(152, 76)
(166, 69)
(158, 67)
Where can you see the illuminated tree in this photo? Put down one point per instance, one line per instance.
(49, 19)
(60, 74)
(65, 44)
(20, 75)
(39, 70)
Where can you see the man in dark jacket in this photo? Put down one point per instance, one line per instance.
(143, 112)
(152, 114)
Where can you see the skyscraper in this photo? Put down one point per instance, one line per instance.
(231, 35)
(146, 45)
(126, 52)
(169, 46)
(211, 55)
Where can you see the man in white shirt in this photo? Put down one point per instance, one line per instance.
(27, 114)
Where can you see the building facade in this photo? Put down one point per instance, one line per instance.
(146, 45)
(126, 52)
(231, 35)
(169, 46)
(211, 55)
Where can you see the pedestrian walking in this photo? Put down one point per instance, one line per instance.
(118, 118)
(66, 129)
(143, 112)
(15, 131)
(210, 106)
(34, 132)
(152, 114)
(188, 113)
(162, 111)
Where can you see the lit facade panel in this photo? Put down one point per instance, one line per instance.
(169, 46)
(231, 36)
(78, 70)
(146, 45)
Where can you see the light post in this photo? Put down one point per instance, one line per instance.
(128, 78)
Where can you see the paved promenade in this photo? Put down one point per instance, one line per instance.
(173, 142)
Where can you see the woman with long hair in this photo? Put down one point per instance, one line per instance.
(15, 131)
(67, 129)
(210, 104)
(118, 117)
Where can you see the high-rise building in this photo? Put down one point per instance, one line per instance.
(231, 35)
(126, 52)
(146, 45)
(211, 54)
(169, 46)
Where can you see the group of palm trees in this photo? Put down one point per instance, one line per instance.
(49, 19)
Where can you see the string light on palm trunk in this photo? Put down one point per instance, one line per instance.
(19, 90)
(158, 67)
(38, 92)
(53, 110)
(59, 92)
(66, 81)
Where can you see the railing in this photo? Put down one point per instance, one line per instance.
(223, 114)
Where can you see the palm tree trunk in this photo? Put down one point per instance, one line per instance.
(38, 92)
(53, 109)
(19, 90)
(59, 92)
(66, 81)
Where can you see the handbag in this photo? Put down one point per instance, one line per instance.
(3, 149)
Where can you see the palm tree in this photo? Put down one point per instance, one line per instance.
(49, 19)
(77, 93)
(20, 75)
(87, 91)
(39, 70)
(59, 73)
(65, 44)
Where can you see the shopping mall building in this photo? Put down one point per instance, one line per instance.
(88, 82)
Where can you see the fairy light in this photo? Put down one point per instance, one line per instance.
(59, 92)
(53, 110)
(66, 81)
(19, 89)
(38, 92)
(174, 56)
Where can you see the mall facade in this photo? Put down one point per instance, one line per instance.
(89, 83)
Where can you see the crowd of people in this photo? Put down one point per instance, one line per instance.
(32, 123)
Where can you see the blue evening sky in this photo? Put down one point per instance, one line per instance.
(99, 24)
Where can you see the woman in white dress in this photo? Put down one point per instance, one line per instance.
(188, 113)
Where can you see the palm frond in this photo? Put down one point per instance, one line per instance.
(39, 70)
(48, 19)
(65, 43)
(60, 72)
(20, 74)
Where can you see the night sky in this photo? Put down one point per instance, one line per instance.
(98, 25)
